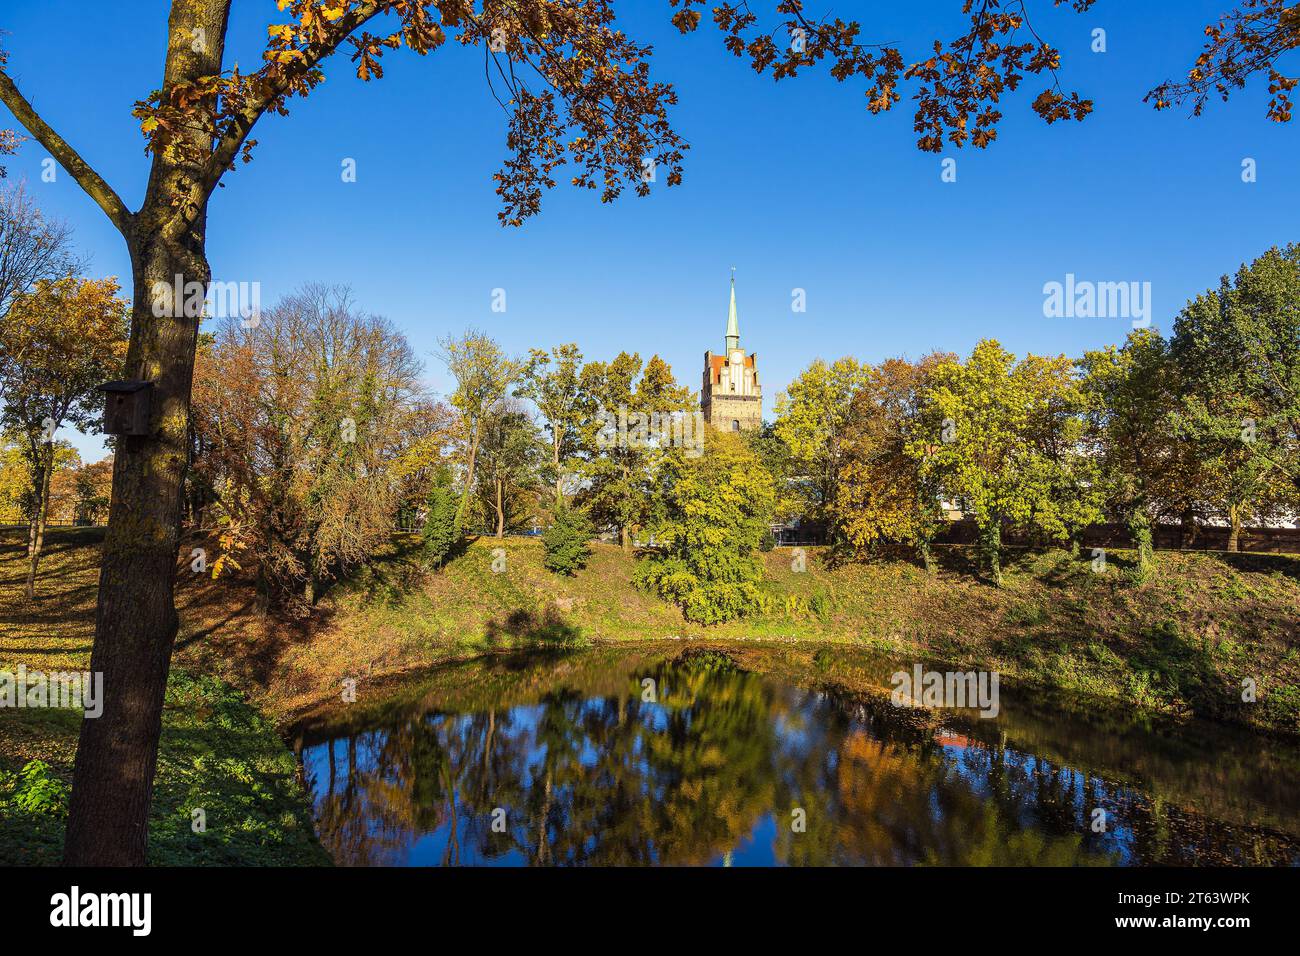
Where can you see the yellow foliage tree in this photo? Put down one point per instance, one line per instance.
(58, 344)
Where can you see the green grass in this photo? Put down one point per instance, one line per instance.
(217, 754)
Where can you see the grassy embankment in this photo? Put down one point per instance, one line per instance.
(1180, 643)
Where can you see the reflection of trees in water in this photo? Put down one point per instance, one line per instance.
(615, 780)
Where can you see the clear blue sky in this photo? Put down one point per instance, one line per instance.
(794, 184)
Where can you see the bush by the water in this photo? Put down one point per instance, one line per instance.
(717, 508)
(567, 542)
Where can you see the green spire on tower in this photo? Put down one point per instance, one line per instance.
(733, 325)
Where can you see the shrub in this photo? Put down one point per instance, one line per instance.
(819, 605)
(716, 510)
(441, 528)
(566, 542)
(39, 791)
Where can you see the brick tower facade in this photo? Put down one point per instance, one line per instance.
(731, 399)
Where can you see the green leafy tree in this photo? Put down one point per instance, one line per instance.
(567, 541)
(1061, 479)
(718, 507)
(624, 442)
(1129, 395)
(775, 457)
(484, 375)
(553, 383)
(1237, 348)
(1003, 438)
(441, 525)
(510, 460)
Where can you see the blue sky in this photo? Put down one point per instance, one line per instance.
(794, 184)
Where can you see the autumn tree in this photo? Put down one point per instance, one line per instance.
(811, 420)
(308, 452)
(15, 482)
(717, 508)
(1247, 40)
(32, 246)
(58, 344)
(881, 494)
(484, 375)
(1003, 438)
(93, 488)
(17, 494)
(577, 90)
(61, 506)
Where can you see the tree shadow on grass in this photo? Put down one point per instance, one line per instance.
(390, 580)
(1071, 570)
(185, 640)
(1258, 562)
(1176, 667)
(524, 624)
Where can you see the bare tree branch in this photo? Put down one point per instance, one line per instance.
(68, 158)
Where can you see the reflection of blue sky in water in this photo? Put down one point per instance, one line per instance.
(710, 774)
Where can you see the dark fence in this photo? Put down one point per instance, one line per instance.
(1164, 537)
(54, 525)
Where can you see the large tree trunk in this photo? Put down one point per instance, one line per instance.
(1234, 534)
(135, 620)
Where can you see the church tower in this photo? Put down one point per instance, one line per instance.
(731, 399)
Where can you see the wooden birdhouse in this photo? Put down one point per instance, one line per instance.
(126, 407)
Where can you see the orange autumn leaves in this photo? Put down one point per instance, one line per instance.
(1250, 39)
(577, 90)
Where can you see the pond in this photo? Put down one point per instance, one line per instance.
(774, 756)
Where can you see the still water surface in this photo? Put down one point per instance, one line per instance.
(569, 760)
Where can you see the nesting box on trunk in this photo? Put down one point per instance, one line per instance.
(126, 407)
